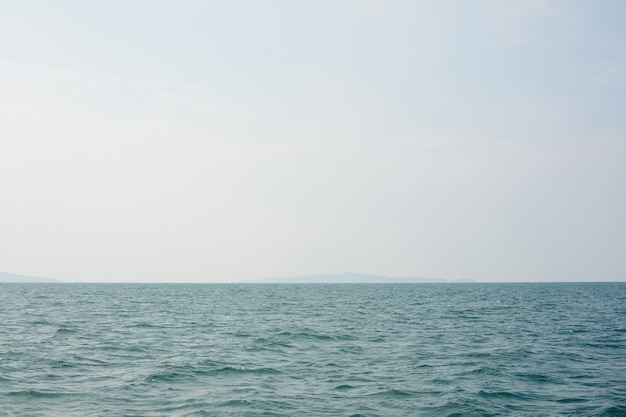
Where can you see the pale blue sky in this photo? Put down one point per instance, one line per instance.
(220, 141)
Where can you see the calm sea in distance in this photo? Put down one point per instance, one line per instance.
(313, 350)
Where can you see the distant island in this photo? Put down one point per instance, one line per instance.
(6, 277)
(342, 278)
(353, 278)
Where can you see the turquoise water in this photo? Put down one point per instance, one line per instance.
(322, 350)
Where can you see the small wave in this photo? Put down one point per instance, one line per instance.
(243, 369)
(62, 364)
(64, 331)
(541, 378)
(572, 400)
(352, 349)
(145, 325)
(209, 362)
(306, 335)
(614, 411)
(479, 355)
(605, 345)
(483, 370)
(166, 377)
(459, 408)
(506, 395)
(34, 393)
(231, 403)
(396, 393)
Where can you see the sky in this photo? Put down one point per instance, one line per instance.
(218, 141)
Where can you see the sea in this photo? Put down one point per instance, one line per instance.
(471, 349)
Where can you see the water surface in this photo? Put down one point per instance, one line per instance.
(285, 350)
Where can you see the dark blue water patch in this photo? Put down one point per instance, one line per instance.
(282, 350)
(572, 400)
(32, 393)
(539, 378)
(613, 411)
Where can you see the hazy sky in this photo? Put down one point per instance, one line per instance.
(228, 140)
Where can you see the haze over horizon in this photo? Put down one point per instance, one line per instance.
(236, 140)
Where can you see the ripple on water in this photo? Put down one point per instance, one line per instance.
(360, 350)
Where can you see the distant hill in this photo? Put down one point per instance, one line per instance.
(353, 278)
(6, 277)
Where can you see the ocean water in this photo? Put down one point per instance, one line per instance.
(313, 350)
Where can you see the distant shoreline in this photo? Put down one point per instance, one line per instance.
(323, 279)
(353, 278)
(6, 277)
